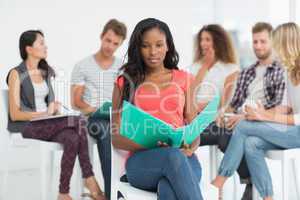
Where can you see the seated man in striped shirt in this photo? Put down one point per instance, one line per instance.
(92, 84)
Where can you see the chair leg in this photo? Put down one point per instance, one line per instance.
(235, 193)
(255, 194)
(3, 191)
(213, 161)
(44, 170)
(91, 149)
(296, 174)
(285, 178)
(51, 175)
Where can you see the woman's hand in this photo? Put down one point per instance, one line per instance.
(209, 59)
(255, 114)
(38, 114)
(220, 120)
(57, 107)
(233, 120)
(54, 108)
(187, 150)
(162, 144)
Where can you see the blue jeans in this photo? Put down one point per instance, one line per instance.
(100, 130)
(253, 139)
(166, 171)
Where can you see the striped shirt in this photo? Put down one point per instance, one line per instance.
(98, 82)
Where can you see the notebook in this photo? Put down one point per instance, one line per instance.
(103, 111)
(55, 116)
(146, 130)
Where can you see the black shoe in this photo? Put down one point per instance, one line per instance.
(120, 196)
(248, 192)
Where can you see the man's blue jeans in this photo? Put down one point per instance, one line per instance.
(166, 171)
(100, 130)
(253, 139)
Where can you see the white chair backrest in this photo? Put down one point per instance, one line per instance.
(4, 106)
(118, 159)
(4, 134)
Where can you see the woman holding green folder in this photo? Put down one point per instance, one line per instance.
(152, 81)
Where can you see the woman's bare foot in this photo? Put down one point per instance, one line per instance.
(268, 198)
(95, 191)
(64, 197)
(218, 183)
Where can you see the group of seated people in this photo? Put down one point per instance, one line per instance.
(259, 108)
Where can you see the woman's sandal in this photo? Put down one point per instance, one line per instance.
(220, 194)
(94, 195)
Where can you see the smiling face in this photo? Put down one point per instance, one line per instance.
(110, 42)
(262, 45)
(154, 48)
(206, 42)
(38, 49)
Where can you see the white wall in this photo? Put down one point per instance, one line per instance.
(72, 28)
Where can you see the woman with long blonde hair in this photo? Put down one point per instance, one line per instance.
(266, 130)
(287, 44)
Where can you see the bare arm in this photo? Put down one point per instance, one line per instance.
(77, 102)
(280, 118)
(227, 92)
(190, 112)
(118, 140)
(14, 100)
(189, 116)
(191, 104)
(278, 114)
(228, 88)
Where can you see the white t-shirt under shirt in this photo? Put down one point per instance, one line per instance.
(98, 82)
(214, 80)
(256, 87)
(41, 91)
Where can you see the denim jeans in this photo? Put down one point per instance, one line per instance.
(253, 139)
(100, 130)
(214, 135)
(166, 171)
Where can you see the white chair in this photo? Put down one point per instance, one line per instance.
(91, 144)
(287, 159)
(129, 192)
(46, 150)
(117, 165)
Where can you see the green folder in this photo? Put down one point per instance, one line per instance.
(146, 130)
(103, 111)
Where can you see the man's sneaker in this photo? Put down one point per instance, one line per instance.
(120, 196)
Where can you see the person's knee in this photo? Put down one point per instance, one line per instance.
(72, 140)
(99, 129)
(242, 125)
(175, 157)
(81, 124)
(252, 145)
